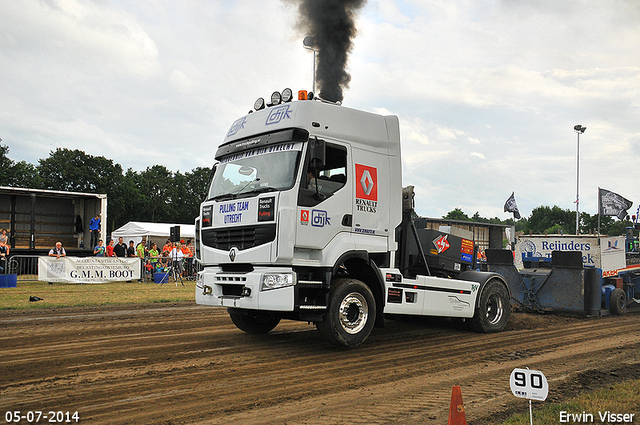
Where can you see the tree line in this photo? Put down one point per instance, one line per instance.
(552, 220)
(157, 194)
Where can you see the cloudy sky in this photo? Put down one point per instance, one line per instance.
(487, 91)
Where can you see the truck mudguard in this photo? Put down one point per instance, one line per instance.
(361, 267)
(482, 278)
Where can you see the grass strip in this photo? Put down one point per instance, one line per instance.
(595, 407)
(59, 295)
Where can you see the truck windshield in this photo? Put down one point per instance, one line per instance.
(269, 168)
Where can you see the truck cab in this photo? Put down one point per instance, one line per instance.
(301, 219)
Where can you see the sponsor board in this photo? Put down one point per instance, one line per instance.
(606, 253)
(88, 270)
(466, 250)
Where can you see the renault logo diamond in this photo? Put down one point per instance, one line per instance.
(232, 254)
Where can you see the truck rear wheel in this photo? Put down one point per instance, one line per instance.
(350, 315)
(253, 322)
(618, 302)
(493, 309)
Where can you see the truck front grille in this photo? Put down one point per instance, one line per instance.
(242, 237)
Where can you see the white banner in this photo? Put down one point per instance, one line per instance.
(606, 253)
(88, 270)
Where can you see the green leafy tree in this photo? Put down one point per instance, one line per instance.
(457, 214)
(191, 191)
(127, 205)
(20, 174)
(158, 191)
(618, 227)
(76, 171)
(551, 220)
(5, 165)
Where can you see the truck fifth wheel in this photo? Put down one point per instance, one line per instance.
(306, 219)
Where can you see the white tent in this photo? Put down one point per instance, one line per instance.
(156, 232)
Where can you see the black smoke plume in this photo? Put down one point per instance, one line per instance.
(332, 25)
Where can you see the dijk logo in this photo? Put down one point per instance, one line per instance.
(367, 186)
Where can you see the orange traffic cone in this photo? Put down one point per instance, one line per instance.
(456, 409)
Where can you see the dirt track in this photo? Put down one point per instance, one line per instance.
(183, 364)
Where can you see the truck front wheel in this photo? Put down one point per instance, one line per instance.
(493, 309)
(253, 322)
(350, 315)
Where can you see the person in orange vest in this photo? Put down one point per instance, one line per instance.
(185, 249)
(188, 255)
(481, 256)
(168, 246)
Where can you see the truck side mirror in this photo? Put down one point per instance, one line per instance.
(317, 153)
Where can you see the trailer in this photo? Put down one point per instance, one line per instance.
(585, 275)
(36, 219)
(306, 219)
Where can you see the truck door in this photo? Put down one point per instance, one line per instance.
(324, 199)
(372, 198)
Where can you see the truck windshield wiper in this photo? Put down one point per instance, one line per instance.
(260, 190)
(224, 197)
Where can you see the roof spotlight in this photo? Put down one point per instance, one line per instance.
(276, 98)
(287, 95)
(259, 104)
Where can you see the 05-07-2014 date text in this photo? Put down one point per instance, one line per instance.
(38, 416)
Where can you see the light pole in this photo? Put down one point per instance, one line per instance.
(578, 129)
(309, 44)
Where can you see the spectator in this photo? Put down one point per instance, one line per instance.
(188, 259)
(131, 251)
(176, 257)
(185, 249)
(163, 263)
(190, 246)
(4, 254)
(57, 251)
(154, 253)
(94, 227)
(121, 248)
(100, 249)
(110, 248)
(4, 238)
(141, 250)
(168, 246)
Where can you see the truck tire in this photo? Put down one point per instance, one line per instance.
(253, 322)
(493, 308)
(350, 315)
(618, 302)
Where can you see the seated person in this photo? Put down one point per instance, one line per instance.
(4, 254)
(57, 251)
(163, 263)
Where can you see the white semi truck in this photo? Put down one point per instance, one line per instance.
(305, 220)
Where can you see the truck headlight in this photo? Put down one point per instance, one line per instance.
(276, 280)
